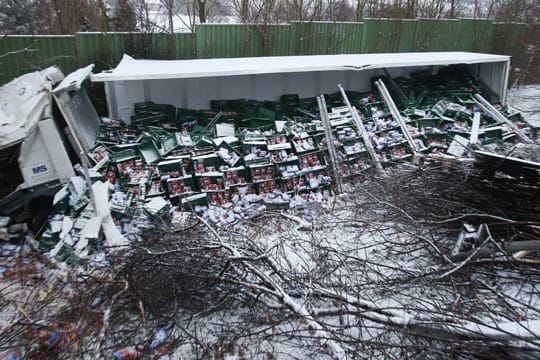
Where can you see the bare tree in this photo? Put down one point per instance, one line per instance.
(16, 17)
(412, 8)
(50, 16)
(431, 9)
(123, 17)
(516, 10)
(339, 10)
(360, 9)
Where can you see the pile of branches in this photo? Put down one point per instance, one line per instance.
(445, 190)
(442, 196)
(180, 269)
(368, 279)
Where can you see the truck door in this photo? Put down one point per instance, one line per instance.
(77, 109)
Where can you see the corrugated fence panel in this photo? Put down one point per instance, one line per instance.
(252, 41)
(475, 35)
(436, 35)
(312, 37)
(117, 46)
(237, 40)
(147, 45)
(347, 38)
(91, 49)
(407, 36)
(105, 50)
(381, 35)
(275, 39)
(161, 46)
(507, 37)
(42, 52)
(185, 46)
(219, 41)
(201, 42)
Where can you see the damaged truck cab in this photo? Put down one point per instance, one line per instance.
(46, 120)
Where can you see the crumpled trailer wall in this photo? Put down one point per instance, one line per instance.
(193, 83)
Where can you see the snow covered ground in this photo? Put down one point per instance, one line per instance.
(527, 100)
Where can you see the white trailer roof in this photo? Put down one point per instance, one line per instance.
(132, 69)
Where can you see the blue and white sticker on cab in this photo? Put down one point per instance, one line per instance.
(40, 169)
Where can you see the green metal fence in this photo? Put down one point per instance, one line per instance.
(21, 54)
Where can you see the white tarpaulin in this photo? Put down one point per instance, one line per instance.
(22, 102)
(193, 83)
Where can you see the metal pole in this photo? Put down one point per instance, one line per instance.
(362, 130)
(497, 115)
(395, 114)
(330, 141)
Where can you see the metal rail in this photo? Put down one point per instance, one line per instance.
(396, 114)
(497, 115)
(362, 130)
(330, 142)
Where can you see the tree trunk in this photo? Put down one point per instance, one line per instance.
(59, 16)
(104, 20)
(245, 11)
(202, 11)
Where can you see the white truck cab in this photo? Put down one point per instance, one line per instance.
(46, 121)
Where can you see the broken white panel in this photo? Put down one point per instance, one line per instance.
(280, 125)
(475, 128)
(226, 139)
(458, 146)
(67, 225)
(56, 249)
(55, 225)
(81, 246)
(224, 129)
(113, 236)
(78, 185)
(18, 126)
(91, 231)
(74, 80)
(155, 205)
(60, 195)
(184, 139)
(92, 228)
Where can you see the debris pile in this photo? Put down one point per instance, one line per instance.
(241, 157)
(16, 259)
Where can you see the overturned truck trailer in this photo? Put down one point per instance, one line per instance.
(193, 83)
